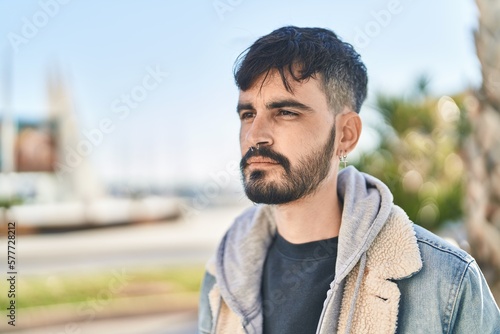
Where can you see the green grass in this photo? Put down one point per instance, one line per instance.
(83, 287)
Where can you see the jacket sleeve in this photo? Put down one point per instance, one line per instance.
(204, 312)
(475, 309)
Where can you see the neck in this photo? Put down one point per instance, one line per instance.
(314, 217)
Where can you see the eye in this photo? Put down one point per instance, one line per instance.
(247, 115)
(287, 113)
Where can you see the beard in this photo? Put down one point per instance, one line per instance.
(295, 182)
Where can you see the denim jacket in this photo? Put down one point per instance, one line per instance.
(392, 276)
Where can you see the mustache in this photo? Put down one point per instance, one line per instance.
(265, 152)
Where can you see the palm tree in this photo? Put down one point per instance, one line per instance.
(418, 155)
(482, 149)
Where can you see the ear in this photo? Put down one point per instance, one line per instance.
(348, 131)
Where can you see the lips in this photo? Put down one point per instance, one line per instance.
(261, 160)
(264, 158)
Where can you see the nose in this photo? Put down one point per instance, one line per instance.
(257, 133)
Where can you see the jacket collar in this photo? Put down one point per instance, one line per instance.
(371, 299)
(367, 204)
(239, 262)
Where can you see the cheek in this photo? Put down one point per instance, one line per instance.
(306, 143)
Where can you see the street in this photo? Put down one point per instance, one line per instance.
(182, 241)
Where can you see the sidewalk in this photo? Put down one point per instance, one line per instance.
(174, 323)
(87, 313)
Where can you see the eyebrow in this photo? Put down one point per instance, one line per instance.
(286, 103)
(244, 106)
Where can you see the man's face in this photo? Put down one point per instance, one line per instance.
(287, 139)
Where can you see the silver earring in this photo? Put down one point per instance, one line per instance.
(343, 159)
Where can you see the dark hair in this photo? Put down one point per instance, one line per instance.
(303, 53)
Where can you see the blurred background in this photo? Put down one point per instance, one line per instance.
(119, 142)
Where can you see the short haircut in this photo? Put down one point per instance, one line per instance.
(303, 53)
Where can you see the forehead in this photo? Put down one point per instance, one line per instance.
(272, 87)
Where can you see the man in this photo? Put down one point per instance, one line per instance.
(326, 251)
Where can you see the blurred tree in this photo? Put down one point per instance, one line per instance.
(482, 149)
(418, 155)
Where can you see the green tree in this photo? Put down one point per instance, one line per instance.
(418, 155)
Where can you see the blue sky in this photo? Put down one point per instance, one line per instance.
(185, 127)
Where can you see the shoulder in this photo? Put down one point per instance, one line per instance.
(446, 267)
(449, 291)
(430, 245)
(462, 300)
(434, 246)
